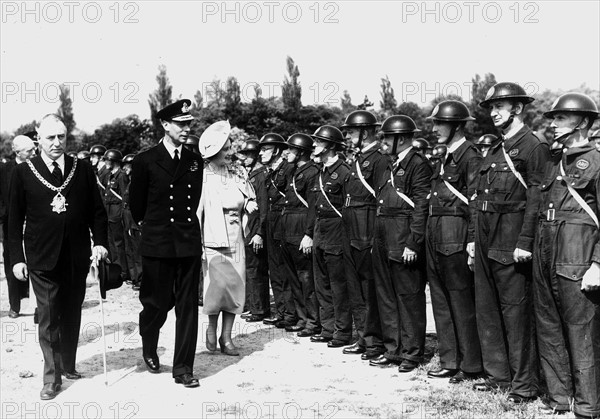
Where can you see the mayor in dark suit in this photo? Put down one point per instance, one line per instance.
(58, 197)
(166, 182)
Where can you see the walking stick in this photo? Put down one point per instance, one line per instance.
(95, 268)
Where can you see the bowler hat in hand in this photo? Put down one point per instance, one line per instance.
(109, 277)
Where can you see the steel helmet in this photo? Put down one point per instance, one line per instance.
(573, 102)
(98, 150)
(128, 158)
(329, 133)
(439, 151)
(420, 144)
(192, 140)
(83, 155)
(451, 111)
(72, 154)
(272, 139)
(486, 140)
(595, 134)
(113, 155)
(360, 118)
(399, 124)
(301, 141)
(250, 146)
(506, 90)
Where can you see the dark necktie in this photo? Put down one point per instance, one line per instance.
(57, 173)
(176, 158)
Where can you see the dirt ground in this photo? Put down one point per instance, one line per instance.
(278, 375)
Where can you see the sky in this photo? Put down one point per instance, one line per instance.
(108, 52)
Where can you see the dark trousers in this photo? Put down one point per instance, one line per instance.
(257, 281)
(298, 268)
(60, 294)
(17, 290)
(504, 315)
(282, 291)
(116, 238)
(453, 301)
(332, 294)
(568, 332)
(168, 283)
(401, 299)
(132, 238)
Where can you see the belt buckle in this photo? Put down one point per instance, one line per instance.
(347, 202)
(484, 205)
(550, 214)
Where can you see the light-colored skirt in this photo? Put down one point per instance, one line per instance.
(224, 270)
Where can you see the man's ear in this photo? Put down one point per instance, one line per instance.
(165, 124)
(518, 108)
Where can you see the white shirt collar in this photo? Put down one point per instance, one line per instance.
(331, 161)
(515, 127)
(48, 161)
(456, 145)
(171, 149)
(403, 154)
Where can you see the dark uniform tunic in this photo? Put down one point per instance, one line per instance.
(298, 220)
(115, 184)
(257, 264)
(132, 236)
(359, 219)
(506, 218)
(276, 182)
(328, 258)
(401, 288)
(450, 279)
(568, 320)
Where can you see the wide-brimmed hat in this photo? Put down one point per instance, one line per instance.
(214, 138)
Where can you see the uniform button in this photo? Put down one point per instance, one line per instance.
(564, 150)
(573, 184)
(381, 201)
(321, 206)
(189, 197)
(189, 219)
(189, 186)
(558, 177)
(352, 173)
(171, 208)
(435, 194)
(487, 191)
(172, 219)
(493, 164)
(287, 202)
(543, 186)
(171, 186)
(189, 209)
(171, 197)
(503, 259)
(550, 205)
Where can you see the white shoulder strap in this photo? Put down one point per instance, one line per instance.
(512, 167)
(363, 180)
(297, 194)
(400, 194)
(578, 197)
(325, 195)
(452, 188)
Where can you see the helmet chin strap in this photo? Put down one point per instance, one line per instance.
(509, 121)
(571, 132)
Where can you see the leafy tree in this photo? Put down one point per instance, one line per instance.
(366, 104)
(161, 97)
(233, 100)
(291, 91)
(388, 101)
(198, 100)
(346, 103)
(479, 89)
(65, 111)
(127, 135)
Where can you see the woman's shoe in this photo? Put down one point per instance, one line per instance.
(228, 348)
(211, 346)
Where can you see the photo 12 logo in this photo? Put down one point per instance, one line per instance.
(89, 92)
(269, 12)
(470, 11)
(69, 12)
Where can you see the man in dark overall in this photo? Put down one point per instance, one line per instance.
(398, 247)
(298, 220)
(166, 183)
(450, 279)
(505, 221)
(328, 259)
(257, 264)
(566, 262)
(132, 233)
(278, 175)
(115, 183)
(367, 168)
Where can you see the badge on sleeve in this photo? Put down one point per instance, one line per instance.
(400, 172)
(300, 176)
(334, 175)
(366, 164)
(582, 164)
(514, 152)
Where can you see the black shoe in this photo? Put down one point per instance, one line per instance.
(320, 339)
(228, 348)
(516, 399)
(282, 324)
(255, 318)
(336, 343)
(464, 376)
(407, 366)
(547, 409)
(272, 320)
(72, 375)
(13, 314)
(368, 355)
(442, 373)
(49, 391)
(294, 328)
(307, 332)
(487, 385)
(136, 287)
(245, 314)
(152, 363)
(187, 380)
(355, 349)
(382, 361)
